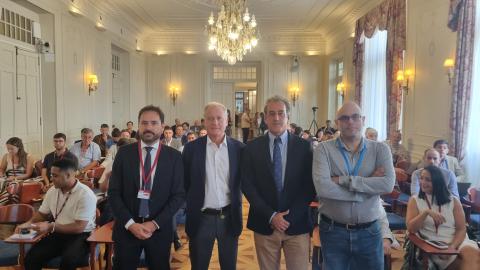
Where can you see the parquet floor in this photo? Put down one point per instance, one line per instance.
(247, 258)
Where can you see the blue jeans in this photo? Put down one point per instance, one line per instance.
(351, 249)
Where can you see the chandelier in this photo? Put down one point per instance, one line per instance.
(234, 32)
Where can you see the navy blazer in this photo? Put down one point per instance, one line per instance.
(194, 158)
(258, 185)
(167, 194)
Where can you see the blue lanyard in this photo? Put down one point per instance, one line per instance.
(347, 161)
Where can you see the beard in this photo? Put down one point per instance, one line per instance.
(149, 137)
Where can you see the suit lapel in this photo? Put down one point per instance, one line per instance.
(136, 162)
(290, 157)
(202, 160)
(232, 162)
(268, 157)
(162, 160)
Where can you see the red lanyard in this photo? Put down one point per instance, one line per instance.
(57, 212)
(13, 168)
(430, 207)
(147, 178)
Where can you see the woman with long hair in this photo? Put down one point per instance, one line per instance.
(15, 166)
(437, 215)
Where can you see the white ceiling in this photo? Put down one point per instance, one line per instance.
(286, 26)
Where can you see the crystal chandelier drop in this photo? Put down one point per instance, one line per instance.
(234, 32)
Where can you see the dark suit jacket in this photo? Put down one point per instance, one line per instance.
(194, 158)
(258, 185)
(167, 191)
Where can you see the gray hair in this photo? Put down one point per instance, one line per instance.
(278, 98)
(212, 105)
(86, 131)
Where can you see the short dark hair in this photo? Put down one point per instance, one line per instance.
(60, 136)
(440, 142)
(186, 123)
(440, 192)
(129, 122)
(167, 128)
(66, 164)
(298, 130)
(151, 108)
(104, 126)
(116, 132)
(191, 133)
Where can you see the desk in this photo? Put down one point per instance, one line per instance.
(21, 245)
(99, 236)
(428, 249)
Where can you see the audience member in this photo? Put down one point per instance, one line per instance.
(214, 204)
(60, 152)
(437, 215)
(399, 152)
(202, 132)
(132, 132)
(16, 166)
(104, 140)
(245, 124)
(67, 215)
(277, 181)
(350, 229)
(328, 127)
(298, 131)
(191, 136)
(431, 157)
(371, 134)
(145, 191)
(87, 152)
(196, 127)
(449, 162)
(168, 139)
(177, 124)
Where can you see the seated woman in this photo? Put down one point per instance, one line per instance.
(437, 215)
(15, 165)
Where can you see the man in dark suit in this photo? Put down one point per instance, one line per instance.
(214, 199)
(146, 189)
(277, 181)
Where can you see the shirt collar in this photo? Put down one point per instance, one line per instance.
(283, 137)
(342, 145)
(224, 141)
(155, 145)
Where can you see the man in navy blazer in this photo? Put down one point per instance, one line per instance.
(145, 191)
(214, 199)
(277, 181)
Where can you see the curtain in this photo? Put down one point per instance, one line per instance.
(390, 15)
(472, 149)
(374, 76)
(462, 20)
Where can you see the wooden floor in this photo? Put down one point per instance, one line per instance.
(247, 258)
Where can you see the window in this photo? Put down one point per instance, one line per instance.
(472, 150)
(374, 78)
(234, 73)
(16, 26)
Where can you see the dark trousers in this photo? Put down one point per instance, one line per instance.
(73, 249)
(128, 249)
(213, 227)
(245, 133)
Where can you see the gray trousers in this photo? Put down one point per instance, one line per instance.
(213, 227)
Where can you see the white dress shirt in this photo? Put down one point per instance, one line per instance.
(153, 154)
(217, 175)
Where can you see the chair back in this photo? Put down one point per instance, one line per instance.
(30, 191)
(15, 213)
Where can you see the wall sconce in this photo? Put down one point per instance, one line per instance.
(403, 78)
(448, 65)
(341, 88)
(92, 83)
(174, 93)
(294, 94)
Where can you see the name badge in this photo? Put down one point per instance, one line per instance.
(143, 194)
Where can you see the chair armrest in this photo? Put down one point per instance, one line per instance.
(429, 249)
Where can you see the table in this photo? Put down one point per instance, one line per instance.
(21, 243)
(102, 235)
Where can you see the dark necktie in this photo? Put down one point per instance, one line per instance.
(277, 165)
(144, 211)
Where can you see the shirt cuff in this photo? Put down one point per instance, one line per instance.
(129, 223)
(270, 220)
(156, 225)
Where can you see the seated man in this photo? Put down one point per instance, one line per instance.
(104, 140)
(87, 152)
(432, 157)
(371, 134)
(169, 140)
(67, 214)
(399, 151)
(448, 162)
(61, 152)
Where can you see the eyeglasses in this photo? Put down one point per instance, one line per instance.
(281, 114)
(345, 118)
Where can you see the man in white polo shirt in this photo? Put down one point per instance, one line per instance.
(67, 214)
